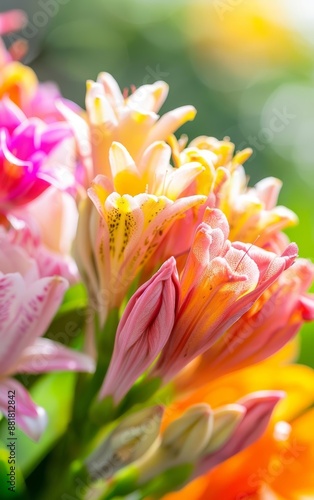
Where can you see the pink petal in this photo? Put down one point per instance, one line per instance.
(40, 303)
(44, 355)
(12, 289)
(143, 330)
(30, 418)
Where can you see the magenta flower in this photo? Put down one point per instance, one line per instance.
(30, 156)
(45, 228)
(27, 306)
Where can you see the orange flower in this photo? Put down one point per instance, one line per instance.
(279, 465)
(274, 319)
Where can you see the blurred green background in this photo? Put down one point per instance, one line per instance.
(246, 65)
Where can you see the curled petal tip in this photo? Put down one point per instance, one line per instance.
(265, 396)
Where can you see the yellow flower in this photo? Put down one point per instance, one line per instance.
(251, 212)
(133, 121)
(115, 241)
(153, 174)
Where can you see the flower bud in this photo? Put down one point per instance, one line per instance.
(225, 421)
(183, 442)
(143, 330)
(126, 443)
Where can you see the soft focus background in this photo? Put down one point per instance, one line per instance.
(246, 65)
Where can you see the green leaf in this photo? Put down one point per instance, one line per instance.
(54, 392)
(74, 299)
(168, 481)
(142, 391)
(10, 475)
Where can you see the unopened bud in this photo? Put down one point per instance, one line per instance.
(182, 443)
(126, 443)
(225, 422)
(186, 437)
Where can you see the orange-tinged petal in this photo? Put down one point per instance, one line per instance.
(220, 283)
(261, 331)
(288, 354)
(296, 380)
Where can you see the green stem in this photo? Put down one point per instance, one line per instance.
(75, 442)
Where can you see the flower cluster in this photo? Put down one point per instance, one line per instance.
(193, 297)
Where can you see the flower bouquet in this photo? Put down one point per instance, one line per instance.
(142, 267)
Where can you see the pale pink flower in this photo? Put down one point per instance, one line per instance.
(12, 20)
(252, 213)
(27, 306)
(30, 157)
(46, 228)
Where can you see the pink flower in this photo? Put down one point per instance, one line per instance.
(12, 20)
(220, 282)
(27, 306)
(19, 82)
(45, 228)
(29, 156)
(143, 330)
(274, 319)
(252, 212)
(43, 104)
